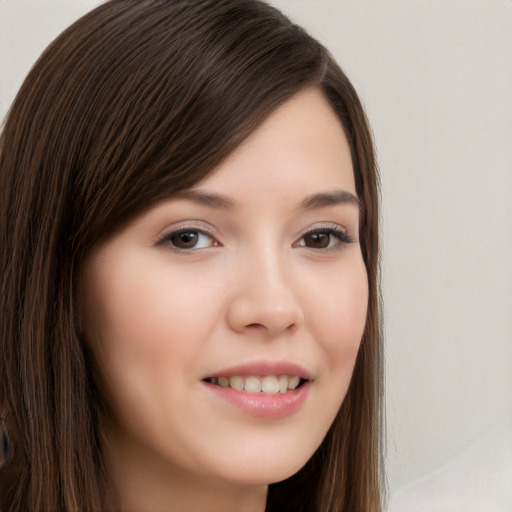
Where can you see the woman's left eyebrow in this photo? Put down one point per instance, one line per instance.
(324, 199)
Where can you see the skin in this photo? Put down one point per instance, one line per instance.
(255, 287)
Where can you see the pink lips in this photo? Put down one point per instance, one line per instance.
(263, 368)
(264, 405)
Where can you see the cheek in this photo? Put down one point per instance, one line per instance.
(145, 313)
(144, 332)
(338, 318)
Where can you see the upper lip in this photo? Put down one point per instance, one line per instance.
(264, 368)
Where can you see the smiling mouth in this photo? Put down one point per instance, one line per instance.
(270, 384)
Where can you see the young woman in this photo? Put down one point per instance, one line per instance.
(189, 257)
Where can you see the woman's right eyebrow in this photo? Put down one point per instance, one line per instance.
(211, 199)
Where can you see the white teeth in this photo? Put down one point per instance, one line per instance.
(283, 383)
(237, 383)
(293, 382)
(252, 385)
(271, 384)
(224, 382)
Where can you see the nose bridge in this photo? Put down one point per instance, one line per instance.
(266, 296)
(271, 273)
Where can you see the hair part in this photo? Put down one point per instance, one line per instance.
(137, 101)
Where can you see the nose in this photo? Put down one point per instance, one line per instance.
(264, 299)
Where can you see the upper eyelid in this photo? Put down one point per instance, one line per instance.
(192, 224)
(166, 233)
(318, 226)
(344, 234)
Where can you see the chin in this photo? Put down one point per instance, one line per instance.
(264, 470)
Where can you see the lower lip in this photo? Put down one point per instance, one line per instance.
(264, 405)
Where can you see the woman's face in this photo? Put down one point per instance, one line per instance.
(254, 278)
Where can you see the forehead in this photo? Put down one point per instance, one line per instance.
(301, 145)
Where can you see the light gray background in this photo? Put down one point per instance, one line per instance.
(436, 80)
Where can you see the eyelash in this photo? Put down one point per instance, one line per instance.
(167, 239)
(332, 231)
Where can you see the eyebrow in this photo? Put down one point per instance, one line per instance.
(208, 199)
(318, 200)
(324, 199)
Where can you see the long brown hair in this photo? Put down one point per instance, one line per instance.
(133, 103)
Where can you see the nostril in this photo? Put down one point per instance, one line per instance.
(271, 329)
(255, 326)
(263, 313)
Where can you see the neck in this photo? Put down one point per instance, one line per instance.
(144, 482)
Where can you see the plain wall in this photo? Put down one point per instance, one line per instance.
(436, 80)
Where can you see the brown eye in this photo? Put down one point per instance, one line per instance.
(188, 239)
(317, 240)
(324, 238)
(185, 239)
